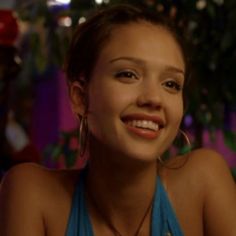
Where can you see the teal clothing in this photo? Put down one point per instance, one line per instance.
(164, 222)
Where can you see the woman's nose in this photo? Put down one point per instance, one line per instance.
(150, 96)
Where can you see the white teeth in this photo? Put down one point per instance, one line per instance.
(147, 124)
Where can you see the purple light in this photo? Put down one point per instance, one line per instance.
(188, 120)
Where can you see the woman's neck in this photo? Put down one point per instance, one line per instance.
(123, 189)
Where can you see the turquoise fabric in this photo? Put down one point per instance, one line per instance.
(164, 222)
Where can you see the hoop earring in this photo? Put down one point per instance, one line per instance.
(82, 135)
(188, 145)
(186, 149)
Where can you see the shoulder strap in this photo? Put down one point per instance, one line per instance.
(164, 221)
(79, 223)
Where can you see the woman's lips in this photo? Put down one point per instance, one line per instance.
(143, 132)
(143, 125)
(146, 124)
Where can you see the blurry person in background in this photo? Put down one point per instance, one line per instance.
(15, 145)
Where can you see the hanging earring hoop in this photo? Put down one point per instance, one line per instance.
(188, 146)
(83, 135)
(185, 149)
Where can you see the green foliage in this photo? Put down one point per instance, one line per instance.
(66, 148)
(233, 172)
(230, 139)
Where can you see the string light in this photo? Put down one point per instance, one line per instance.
(52, 3)
(160, 7)
(63, 1)
(99, 1)
(219, 2)
(81, 20)
(201, 4)
(65, 21)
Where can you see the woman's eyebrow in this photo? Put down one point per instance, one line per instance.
(174, 69)
(132, 59)
(168, 68)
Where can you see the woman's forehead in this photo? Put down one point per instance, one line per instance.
(144, 41)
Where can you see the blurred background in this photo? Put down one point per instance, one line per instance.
(36, 122)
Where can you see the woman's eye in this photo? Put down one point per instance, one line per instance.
(126, 74)
(173, 85)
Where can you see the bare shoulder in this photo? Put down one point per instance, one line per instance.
(213, 177)
(207, 156)
(21, 179)
(208, 170)
(27, 193)
(209, 165)
(202, 165)
(36, 178)
(27, 173)
(220, 196)
(201, 181)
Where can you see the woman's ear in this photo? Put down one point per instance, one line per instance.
(77, 97)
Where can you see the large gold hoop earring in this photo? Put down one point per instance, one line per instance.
(83, 135)
(185, 150)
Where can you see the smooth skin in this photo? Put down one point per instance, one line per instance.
(140, 70)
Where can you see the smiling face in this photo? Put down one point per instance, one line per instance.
(135, 92)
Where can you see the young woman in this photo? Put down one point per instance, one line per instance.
(126, 72)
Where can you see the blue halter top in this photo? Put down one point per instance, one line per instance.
(164, 221)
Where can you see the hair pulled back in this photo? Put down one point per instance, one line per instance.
(91, 36)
